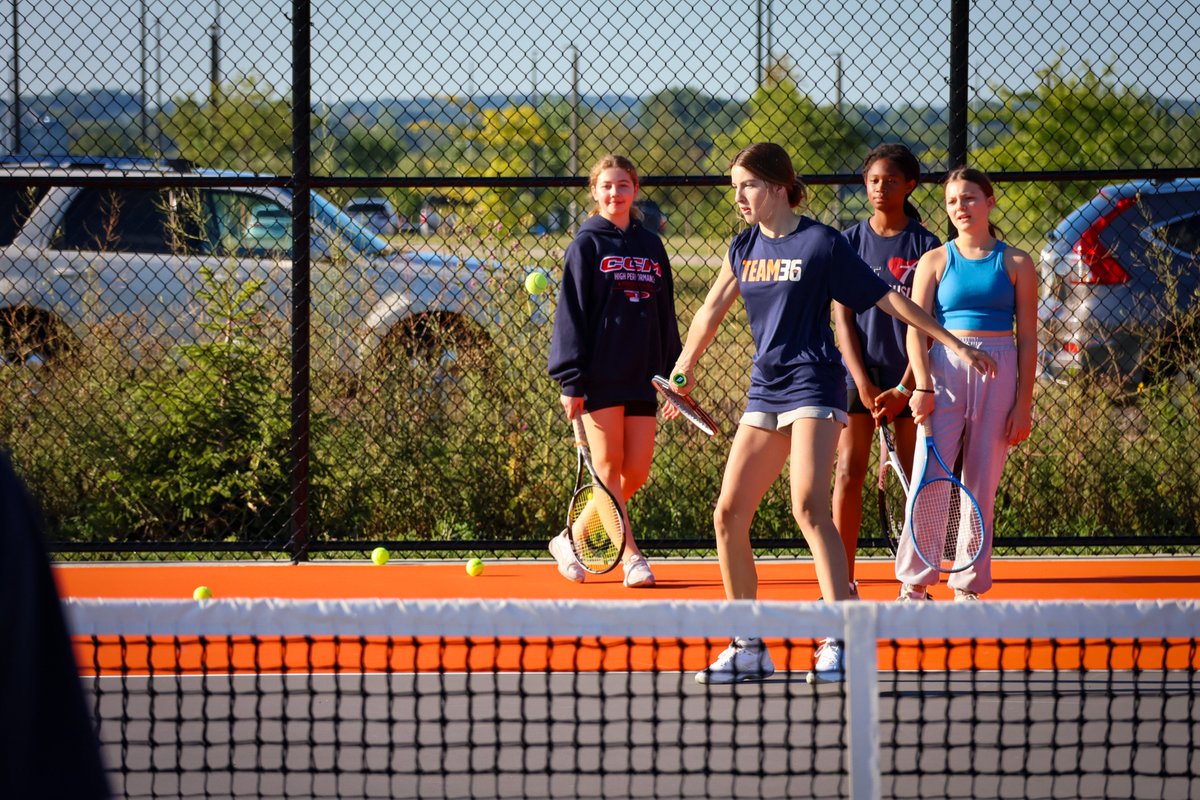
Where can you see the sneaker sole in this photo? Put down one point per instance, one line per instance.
(705, 678)
(814, 678)
(580, 579)
(563, 567)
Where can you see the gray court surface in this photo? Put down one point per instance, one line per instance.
(620, 735)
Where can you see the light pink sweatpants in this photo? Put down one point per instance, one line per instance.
(971, 415)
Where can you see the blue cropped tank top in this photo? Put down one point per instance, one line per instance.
(976, 294)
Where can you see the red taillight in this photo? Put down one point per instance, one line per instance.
(1096, 265)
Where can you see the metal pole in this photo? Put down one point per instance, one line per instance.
(758, 44)
(770, 37)
(534, 102)
(840, 194)
(158, 131)
(960, 50)
(301, 186)
(573, 210)
(16, 80)
(142, 71)
(214, 66)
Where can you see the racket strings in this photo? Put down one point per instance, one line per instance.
(945, 523)
(597, 530)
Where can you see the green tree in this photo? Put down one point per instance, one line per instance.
(248, 127)
(674, 136)
(373, 150)
(818, 138)
(1081, 119)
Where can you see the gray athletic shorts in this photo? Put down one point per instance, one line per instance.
(778, 421)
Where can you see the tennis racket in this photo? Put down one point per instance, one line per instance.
(892, 491)
(943, 517)
(685, 405)
(594, 516)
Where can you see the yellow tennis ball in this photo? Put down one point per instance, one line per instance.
(536, 283)
(202, 593)
(380, 555)
(475, 567)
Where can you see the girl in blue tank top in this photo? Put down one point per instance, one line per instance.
(873, 346)
(986, 293)
(787, 269)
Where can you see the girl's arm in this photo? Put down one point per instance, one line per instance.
(924, 288)
(570, 347)
(851, 347)
(1020, 419)
(721, 296)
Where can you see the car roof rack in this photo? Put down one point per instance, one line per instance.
(96, 162)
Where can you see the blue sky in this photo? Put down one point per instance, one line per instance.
(365, 51)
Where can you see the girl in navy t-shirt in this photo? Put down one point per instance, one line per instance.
(890, 241)
(614, 329)
(787, 269)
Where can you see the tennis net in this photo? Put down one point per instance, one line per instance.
(473, 698)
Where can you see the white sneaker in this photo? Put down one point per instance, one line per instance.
(909, 592)
(568, 565)
(743, 660)
(965, 595)
(829, 668)
(637, 572)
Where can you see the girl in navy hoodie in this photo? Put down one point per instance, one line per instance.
(614, 329)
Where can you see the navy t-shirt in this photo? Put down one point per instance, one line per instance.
(881, 336)
(787, 285)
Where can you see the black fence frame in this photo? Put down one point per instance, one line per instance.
(301, 182)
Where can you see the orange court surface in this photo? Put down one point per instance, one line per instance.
(1069, 578)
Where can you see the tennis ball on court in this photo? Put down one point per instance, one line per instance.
(536, 283)
(475, 567)
(380, 555)
(202, 593)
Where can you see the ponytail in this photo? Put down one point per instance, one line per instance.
(911, 211)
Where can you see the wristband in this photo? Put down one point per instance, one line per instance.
(902, 389)
(924, 390)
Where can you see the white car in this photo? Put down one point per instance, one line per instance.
(375, 214)
(73, 257)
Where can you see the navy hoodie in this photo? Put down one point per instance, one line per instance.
(615, 326)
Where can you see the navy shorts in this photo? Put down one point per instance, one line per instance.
(633, 408)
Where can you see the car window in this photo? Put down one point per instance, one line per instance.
(340, 224)
(250, 225)
(1182, 235)
(16, 204)
(117, 221)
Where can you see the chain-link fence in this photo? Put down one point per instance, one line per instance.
(175, 380)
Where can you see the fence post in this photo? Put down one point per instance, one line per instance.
(960, 52)
(301, 272)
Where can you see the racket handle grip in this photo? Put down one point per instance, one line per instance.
(678, 379)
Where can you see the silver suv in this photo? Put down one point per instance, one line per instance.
(76, 257)
(1121, 283)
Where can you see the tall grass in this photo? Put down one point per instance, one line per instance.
(191, 443)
